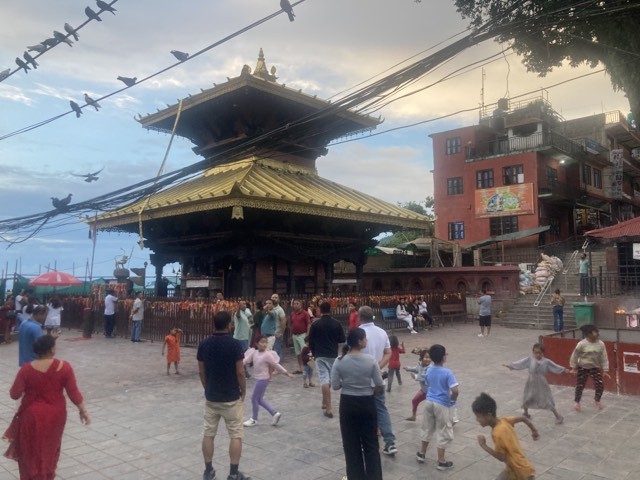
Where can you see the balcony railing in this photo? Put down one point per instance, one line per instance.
(554, 187)
(531, 142)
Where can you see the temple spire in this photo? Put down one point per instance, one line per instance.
(262, 71)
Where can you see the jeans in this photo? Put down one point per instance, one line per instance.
(384, 420)
(136, 330)
(359, 439)
(277, 346)
(584, 284)
(558, 320)
(109, 324)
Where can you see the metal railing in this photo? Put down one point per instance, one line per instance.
(530, 142)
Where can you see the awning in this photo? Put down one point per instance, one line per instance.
(510, 236)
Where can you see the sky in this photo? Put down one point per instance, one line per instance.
(332, 46)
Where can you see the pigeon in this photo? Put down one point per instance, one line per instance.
(23, 65)
(50, 42)
(71, 31)
(91, 101)
(76, 108)
(40, 48)
(61, 204)
(129, 82)
(92, 15)
(61, 37)
(30, 60)
(89, 177)
(4, 74)
(288, 9)
(104, 6)
(181, 56)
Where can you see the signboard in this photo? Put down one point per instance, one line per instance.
(505, 201)
(213, 283)
(636, 251)
(198, 283)
(616, 183)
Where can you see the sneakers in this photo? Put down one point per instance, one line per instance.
(250, 423)
(599, 405)
(481, 334)
(238, 476)
(444, 465)
(390, 449)
(420, 457)
(209, 475)
(412, 331)
(559, 420)
(276, 418)
(576, 406)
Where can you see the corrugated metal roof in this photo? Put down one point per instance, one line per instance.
(268, 185)
(629, 228)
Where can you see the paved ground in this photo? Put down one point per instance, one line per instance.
(146, 425)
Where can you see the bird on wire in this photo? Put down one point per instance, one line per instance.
(104, 6)
(89, 177)
(91, 101)
(4, 74)
(129, 82)
(39, 48)
(22, 65)
(76, 108)
(61, 37)
(92, 15)
(30, 60)
(50, 42)
(71, 31)
(180, 56)
(288, 9)
(61, 204)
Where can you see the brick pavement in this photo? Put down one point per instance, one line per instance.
(147, 425)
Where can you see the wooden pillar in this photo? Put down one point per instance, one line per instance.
(291, 279)
(359, 269)
(159, 262)
(328, 277)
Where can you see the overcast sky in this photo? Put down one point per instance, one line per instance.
(331, 46)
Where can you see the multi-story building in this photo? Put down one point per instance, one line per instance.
(528, 177)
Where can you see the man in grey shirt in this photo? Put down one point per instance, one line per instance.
(484, 314)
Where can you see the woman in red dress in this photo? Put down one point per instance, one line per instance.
(35, 434)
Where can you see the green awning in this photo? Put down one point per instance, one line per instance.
(510, 236)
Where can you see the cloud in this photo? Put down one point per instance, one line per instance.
(14, 94)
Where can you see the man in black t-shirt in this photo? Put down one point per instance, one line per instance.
(325, 336)
(222, 375)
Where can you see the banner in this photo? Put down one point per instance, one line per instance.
(616, 184)
(505, 201)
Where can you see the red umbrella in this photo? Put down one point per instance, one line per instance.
(55, 279)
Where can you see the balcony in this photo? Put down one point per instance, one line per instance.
(559, 192)
(621, 130)
(554, 145)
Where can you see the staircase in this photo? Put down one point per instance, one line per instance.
(523, 314)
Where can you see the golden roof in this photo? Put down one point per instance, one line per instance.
(267, 185)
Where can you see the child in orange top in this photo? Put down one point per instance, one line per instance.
(172, 342)
(394, 362)
(354, 321)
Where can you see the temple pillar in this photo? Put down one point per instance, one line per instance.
(248, 278)
(158, 261)
(359, 269)
(291, 278)
(328, 277)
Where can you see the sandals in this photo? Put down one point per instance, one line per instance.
(328, 414)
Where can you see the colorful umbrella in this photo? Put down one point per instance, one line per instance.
(55, 279)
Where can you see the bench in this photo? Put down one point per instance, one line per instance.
(453, 312)
(389, 319)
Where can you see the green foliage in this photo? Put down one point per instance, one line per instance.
(548, 32)
(400, 237)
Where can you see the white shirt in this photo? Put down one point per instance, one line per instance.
(18, 301)
(138, 308)
(53, 316)
(110, 305)
(377, 341)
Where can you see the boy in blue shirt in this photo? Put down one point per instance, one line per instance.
(441, 395)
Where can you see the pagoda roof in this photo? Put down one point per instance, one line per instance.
(251, 104)
(263, 184)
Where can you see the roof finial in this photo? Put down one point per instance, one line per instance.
(261, 69)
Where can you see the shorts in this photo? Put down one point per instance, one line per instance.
(298, 342)
(436, 419)
(271, 340)
(232, 412)
(484, 320)
(324, 366)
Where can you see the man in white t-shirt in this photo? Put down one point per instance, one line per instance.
(379, 348)
(110, 302)
(137, 314)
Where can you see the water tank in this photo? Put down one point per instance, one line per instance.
(503, 104)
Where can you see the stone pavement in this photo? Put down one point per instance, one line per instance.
(147, 425)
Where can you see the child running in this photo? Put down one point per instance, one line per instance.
(394, 362)
(307, 364)
(262, 360)
(537, 393)
(441, 393)
(172, 342)
(419, 370)
(506, 446)
(589, 359)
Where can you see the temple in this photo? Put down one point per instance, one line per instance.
(259, 218)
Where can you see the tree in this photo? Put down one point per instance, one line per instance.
(547, 32)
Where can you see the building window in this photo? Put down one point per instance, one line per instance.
(513, 174)
(484, 179)
(597, 178)
(554, 226)
(454, 186)
(552, 175)
(586, 174)
(502, 225)
(454, 145)
(456, 230)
